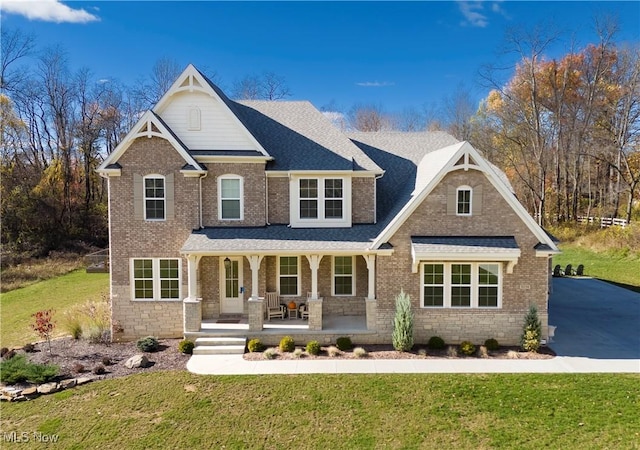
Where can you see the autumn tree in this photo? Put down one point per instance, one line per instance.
(267, 86)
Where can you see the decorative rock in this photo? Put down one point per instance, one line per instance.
(67, 384)
(82, 380)
(5, 398)
(30, 391)
(137, 361)
(11, 391)
(48, 388)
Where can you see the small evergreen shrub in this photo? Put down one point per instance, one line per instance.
(344, 343)
(313, 348)
(3, 351)
(452, 352)
(99, 369)
(298, 353)
(255, 345)
(491, 345)
(29, 348)
(186, 346)
(360, 352)
(531, 331)
(436, 343)
(287, 344)
(18, 369)
(77, 367)
(333, 351)
(106, 361)
(467, 348)
(270, 353)
(422, 352)
(402, 336)
(148, 344)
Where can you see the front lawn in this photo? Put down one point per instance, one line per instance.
(180, 410)
(58, 293)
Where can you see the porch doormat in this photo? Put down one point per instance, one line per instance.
(228, 321)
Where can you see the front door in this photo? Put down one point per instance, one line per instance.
(231, 286)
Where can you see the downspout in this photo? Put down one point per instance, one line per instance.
(200, 199)
(266, 199)
(375, 197)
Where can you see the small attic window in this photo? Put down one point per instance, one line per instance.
(193, 118)
(463, 201)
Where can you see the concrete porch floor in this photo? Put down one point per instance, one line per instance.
(330, 325)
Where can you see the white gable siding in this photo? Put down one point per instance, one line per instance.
(218, 129)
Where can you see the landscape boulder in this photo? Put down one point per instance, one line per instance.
(137, 361)
(48, 388)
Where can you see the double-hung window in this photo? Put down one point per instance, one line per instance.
(461, 285)
(321, 198)
(156, 278)
(230, 203)
(333, 198)
(154, 197)
(289, 275)
(463, 201)
(343, 275)
(308, 198)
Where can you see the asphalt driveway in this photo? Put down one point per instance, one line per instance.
(594, 319)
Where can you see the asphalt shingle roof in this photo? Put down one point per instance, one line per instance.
(464, 244)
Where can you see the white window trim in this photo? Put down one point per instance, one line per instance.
(464, 188)
(230, 177)
(155, 266)
(145, 198)
(297, 294)
(353, 278)
(320, 222)
(475, 285)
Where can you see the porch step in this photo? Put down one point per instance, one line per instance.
(219, 346)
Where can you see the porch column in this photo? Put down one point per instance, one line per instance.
(371, 268)
(254, 263)
(192, 306)
(314, 263)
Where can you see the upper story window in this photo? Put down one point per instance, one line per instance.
(154, 197)
(461, 285)
(463, 201)
(230, 197)
(321, 202)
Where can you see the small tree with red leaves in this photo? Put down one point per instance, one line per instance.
(43, 325)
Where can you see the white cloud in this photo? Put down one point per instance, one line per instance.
(470, 12)
(375, 83)
(47, 11)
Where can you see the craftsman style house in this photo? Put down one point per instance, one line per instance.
(213, 203)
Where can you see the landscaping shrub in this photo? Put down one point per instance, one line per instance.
(97, 335)
(422, 352)
(3, 351)
(29, 348)
(255, 345)
(90, 320)
(99, 369)
(270, 353)
(8, 355)
(451, 351)
(297, 353)
(360, 352)
(344, 343)
(436, 343)
(186, 346)
(467, 348)
(106, 361)
(333, 351)
(148, 344)
(71, 323)
(313, 348)
(402, 336)
(44, 325)
(287, 344)
(484, 353)
(77, 367)
(18, 370)
(491, 344)
(531, 331)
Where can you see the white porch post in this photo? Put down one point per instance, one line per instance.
(192, 269)
(192, 305)
(314, 264)
(371, 268)
(254, 263)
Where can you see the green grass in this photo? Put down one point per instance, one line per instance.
(58, 294)
(179, 410)
(622, 268)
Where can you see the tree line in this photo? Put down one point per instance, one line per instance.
(564, 130)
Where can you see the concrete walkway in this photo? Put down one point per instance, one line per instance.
(236, 365)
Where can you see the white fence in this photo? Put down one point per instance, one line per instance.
(605, 222)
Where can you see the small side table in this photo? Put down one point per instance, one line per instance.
(293, 313)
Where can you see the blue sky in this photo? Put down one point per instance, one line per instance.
(396, 54)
